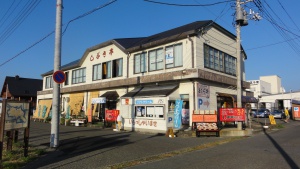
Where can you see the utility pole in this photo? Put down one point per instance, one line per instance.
(240, 20)
(54, 138)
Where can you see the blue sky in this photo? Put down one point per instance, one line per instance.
(271, 44)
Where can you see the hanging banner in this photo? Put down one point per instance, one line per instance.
(177, 114)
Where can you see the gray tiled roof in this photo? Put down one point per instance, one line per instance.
(18, 86)
(129, 45)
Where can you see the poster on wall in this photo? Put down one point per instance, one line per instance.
(169, 56)
(185, 116)
(177, 114)
(203, 93)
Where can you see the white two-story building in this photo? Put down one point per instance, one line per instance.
(143, 77)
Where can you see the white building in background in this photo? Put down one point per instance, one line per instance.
(266, 85)
(271, 94)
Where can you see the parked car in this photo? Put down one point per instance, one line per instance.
(277, 114)
(262, 113)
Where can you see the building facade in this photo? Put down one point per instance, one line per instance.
(150, 79)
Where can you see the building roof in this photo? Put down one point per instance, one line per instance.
(18, 86)
(129, 45)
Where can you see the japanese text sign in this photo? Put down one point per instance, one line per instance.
(232, 114)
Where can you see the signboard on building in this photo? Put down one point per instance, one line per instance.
(232, 114)
(98, 100)
(203, 92)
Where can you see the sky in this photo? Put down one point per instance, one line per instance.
(27, 31)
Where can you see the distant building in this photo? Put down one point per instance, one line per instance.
(21, 89)
(266, 85)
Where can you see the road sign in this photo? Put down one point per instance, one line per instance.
(59, 76)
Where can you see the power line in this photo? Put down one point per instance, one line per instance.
(23, 14)
(45, 37)
(190, 5)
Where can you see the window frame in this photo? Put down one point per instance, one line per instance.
(220, 61)
(142, 63)
(117, 68)
(48, 82)
(97, 74)
(158, 61)
(143, 113)
(177, 55)
(79, 76)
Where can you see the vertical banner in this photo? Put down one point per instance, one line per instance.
(203, 93)
(177, 114)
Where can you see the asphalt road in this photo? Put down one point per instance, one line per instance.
(87, 147)
(269, 150)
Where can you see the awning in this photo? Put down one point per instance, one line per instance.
(246, 99)
(151, 91)
(295, 101)
(110, 95)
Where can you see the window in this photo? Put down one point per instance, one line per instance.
(174, 56)
(49, 82)
(149, 111)
(117, 68)
(67, 78)
(106, 70)
(140, 63)
(78, 76)
(156, 59)
(230, 65)
(97, 72)
(219, 61)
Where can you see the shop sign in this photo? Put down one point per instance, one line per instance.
(98, 100)
(143, 101)
(232, 114)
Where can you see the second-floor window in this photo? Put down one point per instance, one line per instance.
(49, 82)
(106, 70)
(78, 76)
(67, 78)
(219, 61)
(156, 59)
(97, 72)
(140, 63)
(117, 67)
(174, 56)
